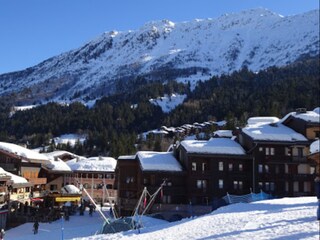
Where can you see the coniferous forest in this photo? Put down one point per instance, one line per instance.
(113, 123)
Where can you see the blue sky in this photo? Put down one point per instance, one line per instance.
(33, 30)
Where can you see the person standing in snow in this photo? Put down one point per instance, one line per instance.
(2, 233)
(35, 227)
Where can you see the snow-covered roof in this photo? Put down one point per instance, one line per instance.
(273, 132)
(308, 116)
(223, 133)
(97, 164)
(261, 120)
(158, 161)
(214, 146)
(23, 152)
(14, 178)
(314, 147)
(58, 165)
(70, 189)
(131, 157)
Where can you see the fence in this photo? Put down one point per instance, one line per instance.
(251, 197)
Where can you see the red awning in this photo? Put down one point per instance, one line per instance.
(36, 200)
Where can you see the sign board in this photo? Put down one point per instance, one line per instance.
(67, 199)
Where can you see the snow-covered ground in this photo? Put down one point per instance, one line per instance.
(168, 103)
(287, 218)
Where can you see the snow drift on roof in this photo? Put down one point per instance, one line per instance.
(101, 164)
(273, 132)
(158, 161)
(223, 133)
(16, 179)
(22, 152)
(214, 146)
(314, 147)
(261, 120)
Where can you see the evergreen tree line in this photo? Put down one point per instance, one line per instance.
(113, 124)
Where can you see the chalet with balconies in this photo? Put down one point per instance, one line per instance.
(304, 122)
(23, 162)
(150, 170)
(214, 168)
(279, 157)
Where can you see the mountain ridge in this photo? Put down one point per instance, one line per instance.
(163, 50)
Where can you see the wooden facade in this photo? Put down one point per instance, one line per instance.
(280, 167)
(131, 180)
(212, 176)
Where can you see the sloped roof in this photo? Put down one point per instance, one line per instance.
(308, 116)
(15, 178)
(273, 132)
(22, 152)
(158, 161)
(214, 146)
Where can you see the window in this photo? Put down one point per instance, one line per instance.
(204, 166)
(296, 186)
(194, 166)
(166, 199)
(201, 184)
(240, 167)
(288, 151)
(307, 187)
(220, 166)
(260, 168)
(260, 149)
(129, 180)
(145, 181)
(312, 170)
(230, 166)
(53, 187)
(269, 151)
(300, 152)
(237, 185)
(220, 183)
(266, 168)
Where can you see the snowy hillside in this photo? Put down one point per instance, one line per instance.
(163, 50)
(286, 219)
(168, 103)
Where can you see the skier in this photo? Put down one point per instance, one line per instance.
(35, 227)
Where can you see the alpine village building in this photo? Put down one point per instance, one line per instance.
(269, 155)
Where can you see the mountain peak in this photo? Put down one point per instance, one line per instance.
(163, 50)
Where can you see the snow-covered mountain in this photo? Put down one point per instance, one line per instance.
(163, 50)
